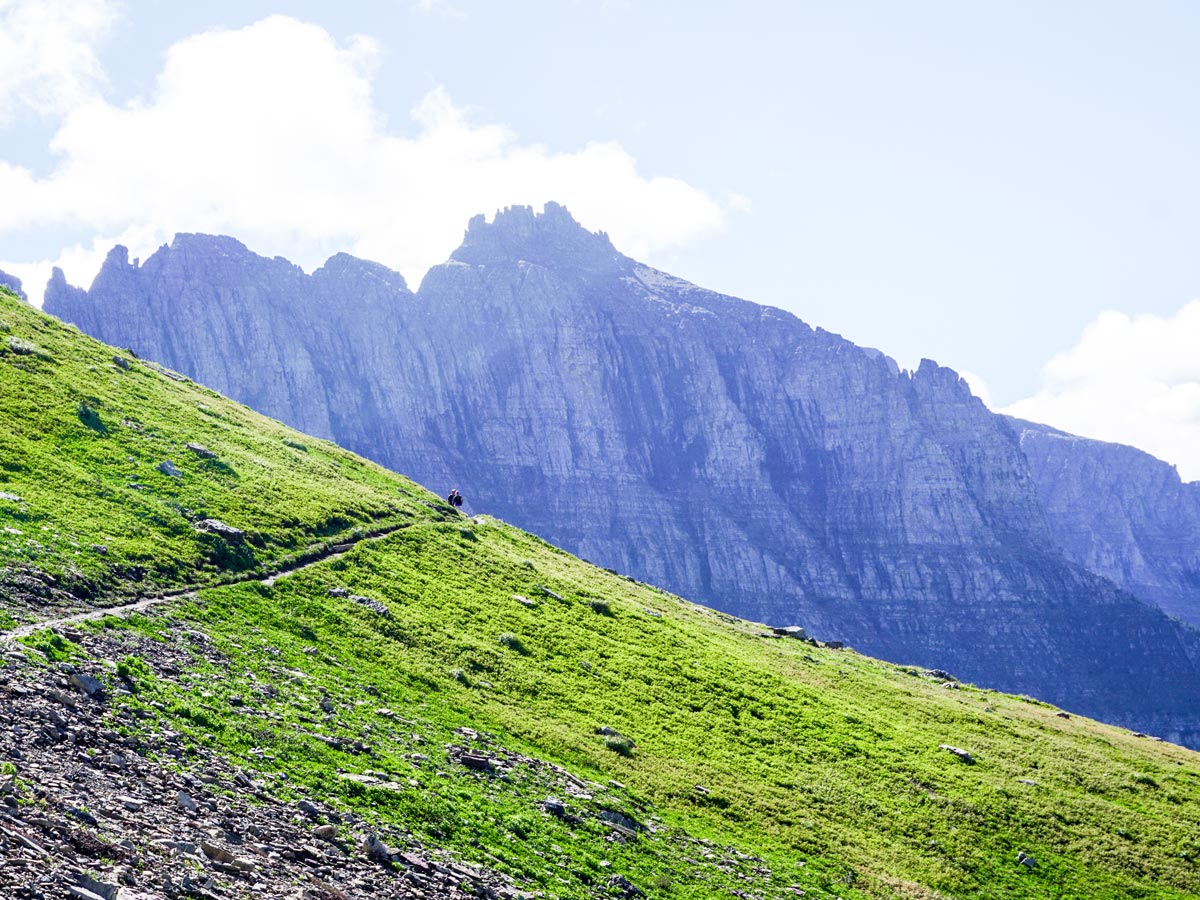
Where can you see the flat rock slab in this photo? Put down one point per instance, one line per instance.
(201, 451)
(959, 752)
(230, 534)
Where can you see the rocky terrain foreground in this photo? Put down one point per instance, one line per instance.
(242, 662)
(726, 451)
(101, 800)
(91, 811)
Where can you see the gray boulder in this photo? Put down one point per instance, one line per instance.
(169, 469)
(231, 535)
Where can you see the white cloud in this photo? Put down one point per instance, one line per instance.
(47, 53)
(270, 133)
(1129, 380)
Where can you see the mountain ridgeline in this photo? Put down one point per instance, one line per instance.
(722, 449)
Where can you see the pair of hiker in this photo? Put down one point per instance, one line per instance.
(455, 499)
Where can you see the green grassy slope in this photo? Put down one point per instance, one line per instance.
(81, 495)
(740, 765)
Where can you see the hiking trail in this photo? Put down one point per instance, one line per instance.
(332, 552)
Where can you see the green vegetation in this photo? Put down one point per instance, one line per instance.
(84, 496)
(689, 753)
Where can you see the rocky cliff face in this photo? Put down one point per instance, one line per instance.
(1120, 513)
(724, 450)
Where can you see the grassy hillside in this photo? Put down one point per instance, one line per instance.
(464, 684)
(87, 433)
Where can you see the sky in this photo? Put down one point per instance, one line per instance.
(1010, 189)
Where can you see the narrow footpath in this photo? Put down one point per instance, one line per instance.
(332, 552)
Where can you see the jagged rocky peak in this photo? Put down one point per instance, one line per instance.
(13, 283)
(60, 294)
(197, 252)
(943, 381)
(116, 263)
(185, 242)
(342, 268)
(551, 237)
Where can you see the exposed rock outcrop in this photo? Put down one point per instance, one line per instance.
(13, 283)
(724, 450)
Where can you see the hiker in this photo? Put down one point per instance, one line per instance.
(455, 499)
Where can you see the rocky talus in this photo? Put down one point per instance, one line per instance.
(91, 811)
(724, 450)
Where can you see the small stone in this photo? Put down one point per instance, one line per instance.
(792, 631)
(959, 752)
(97, 888)
(87, 684)
(201, 451)
(216, 852)
(169, 469)
(625, 887)
(478, 763)
(618, 819)
(186, 803)
(230, 534)
(83, 816)
(325, 832)
(373, 605)
(121, 362)
(554, 807)
(413, 861)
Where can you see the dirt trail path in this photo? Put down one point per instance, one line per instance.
(332, 552)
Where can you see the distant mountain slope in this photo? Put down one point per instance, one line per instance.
(1120, 513)
(722, 449)
(460, 709)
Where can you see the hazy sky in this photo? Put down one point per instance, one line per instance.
(1010, 188)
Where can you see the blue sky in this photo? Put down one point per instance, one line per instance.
(974, 183)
